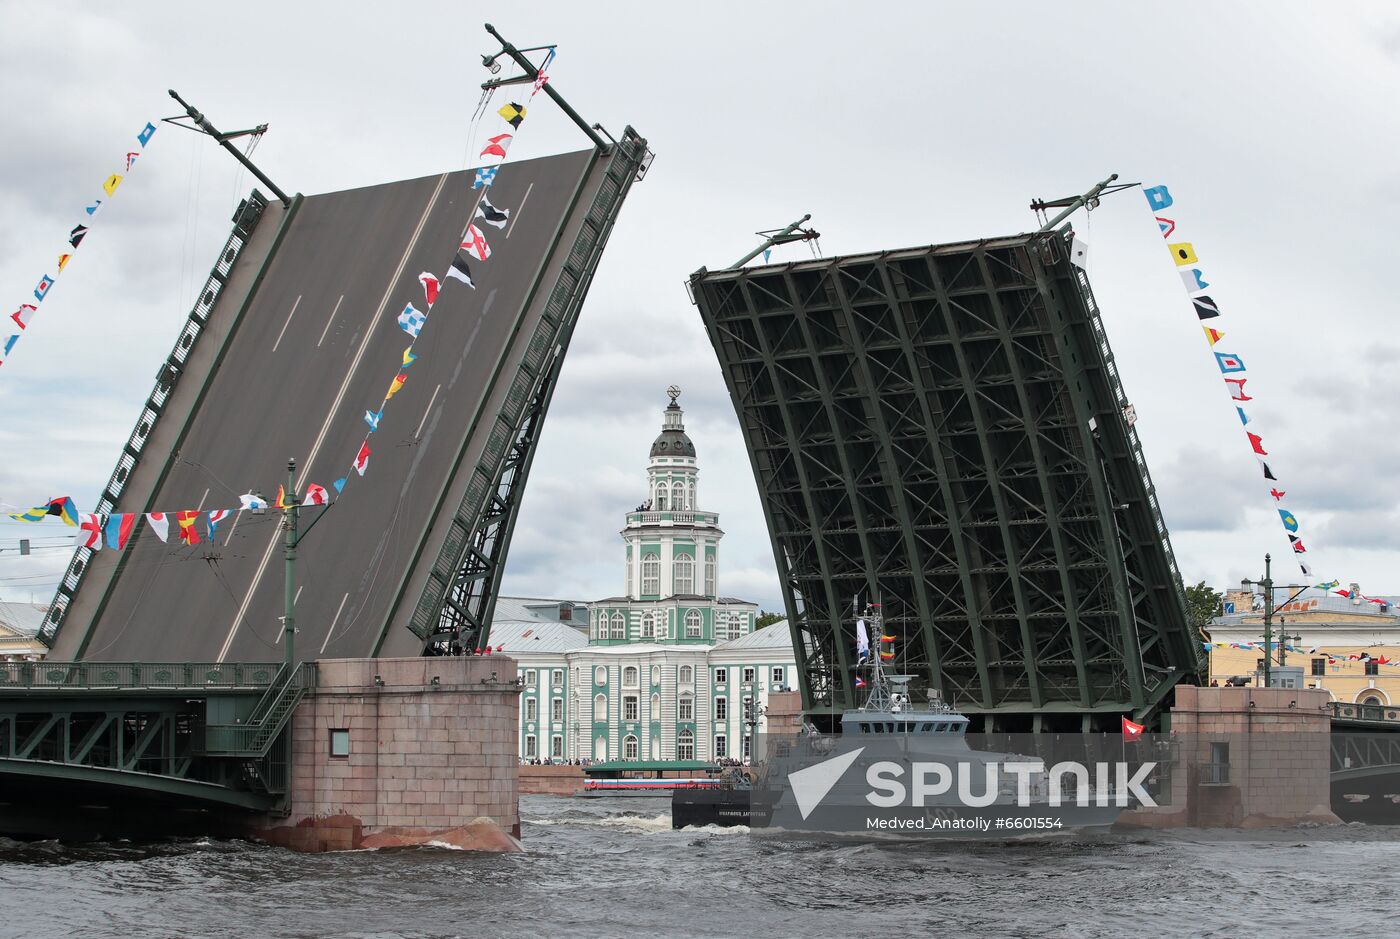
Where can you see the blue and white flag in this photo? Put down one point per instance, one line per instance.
(146, 134)
(252, 501)
(484, 177)
(411, 320)
(372, 419)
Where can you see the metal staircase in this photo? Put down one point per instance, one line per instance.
(253, 738)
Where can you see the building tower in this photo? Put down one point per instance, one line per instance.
(672, 546)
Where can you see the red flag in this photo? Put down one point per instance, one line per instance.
(315, 495)
(497, 145)
(430, 287)
(1277, 494)
(362, 460)
(281, 502)
(1237, 392)
(1257, 443)
(1132, 730)
(188, 533)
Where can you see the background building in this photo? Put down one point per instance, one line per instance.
(19, 628)
(1349, 647)
(664, 671)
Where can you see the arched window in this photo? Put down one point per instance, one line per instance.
(685, 745)
(656, 707)
(651, 576)
(661, 501)
(600, 676)
(692, 624)
(629, 573)
(648, 625)
(656, 674)
(600, 708)
(629, 676)
(600, 749)
(617, 627)
(684, 574)
(685, 708)
(711, 570)
(691, 492)
(687, 675)
(629, 747)
(678, 496)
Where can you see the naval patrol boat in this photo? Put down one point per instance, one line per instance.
(903, 769)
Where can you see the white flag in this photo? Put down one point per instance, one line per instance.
(862, 639)
(251, 501)
(1079, 253)
(160, 524)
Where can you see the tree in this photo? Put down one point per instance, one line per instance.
(1202, 605)
(767, 619)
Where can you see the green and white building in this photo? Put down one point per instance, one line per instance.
(665, 671)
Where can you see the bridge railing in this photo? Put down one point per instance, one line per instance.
(129, 676)
(1378, 713)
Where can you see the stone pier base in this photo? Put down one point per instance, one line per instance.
(1246, 758)
(392, 752)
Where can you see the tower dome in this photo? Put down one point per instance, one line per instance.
(673, 440)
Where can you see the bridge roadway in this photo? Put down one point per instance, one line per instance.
(317, 346)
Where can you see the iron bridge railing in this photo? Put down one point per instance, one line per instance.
(1378, 713)
(137, 676)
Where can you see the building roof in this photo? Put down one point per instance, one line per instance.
(673, 440)
(21, 618)
(1321, 610)
(537, 636)
(531, 609)
(772, 636)
(645, 648)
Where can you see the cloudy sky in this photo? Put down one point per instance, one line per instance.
(894, 124)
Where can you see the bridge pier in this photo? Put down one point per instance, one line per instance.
(401, 751)
(1246, 758)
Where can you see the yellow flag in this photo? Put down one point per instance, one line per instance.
(395, 385)
(63, 260)
(113, 181)
(1183, 253)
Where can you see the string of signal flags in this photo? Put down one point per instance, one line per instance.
(24, 315)
(114, 530)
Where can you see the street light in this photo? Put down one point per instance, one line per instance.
(1267, 583)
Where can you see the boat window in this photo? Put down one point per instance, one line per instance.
(890, 726)
(878, 727)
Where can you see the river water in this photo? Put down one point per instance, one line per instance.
(614, 867)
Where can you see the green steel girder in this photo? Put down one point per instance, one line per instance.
(941, 430)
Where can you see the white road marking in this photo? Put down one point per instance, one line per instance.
(236, 516)
(328, 322)
(331, 632)
(518, 209)
(335, 406)
(286, 324)
(296, 598)
(428, 410)
(200, 507)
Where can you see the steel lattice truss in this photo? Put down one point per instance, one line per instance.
(942, 430)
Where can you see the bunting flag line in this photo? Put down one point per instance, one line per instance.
(215, 517)
(90, 531)
(411, 321)
(118, 529)
(430, 287)
(188, 533)
(75, 237)
(1231, 364)
(491, 215)
(460, 271)
(475, 244)
(497, 145)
